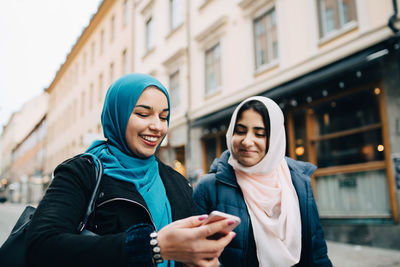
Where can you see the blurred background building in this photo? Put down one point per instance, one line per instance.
(333, 66)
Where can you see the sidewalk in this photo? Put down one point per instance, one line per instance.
(346, 255)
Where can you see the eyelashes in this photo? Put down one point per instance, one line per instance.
(143, 115)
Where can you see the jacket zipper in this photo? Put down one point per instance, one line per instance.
(246, 235)
(133, 202)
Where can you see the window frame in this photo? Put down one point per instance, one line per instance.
(112, 28)
(125, 15)
(101, 50)
(311, 144)
(211, 91)
(175, 92)
(149, 34)
(175, 11)
(272, 59)
(339, 26)
(111, 72)
(217, 136)
(100, 88)
(92, 52)
(124, 61)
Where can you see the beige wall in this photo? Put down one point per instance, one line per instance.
(300, 48)
(229, 22)
(169, 53)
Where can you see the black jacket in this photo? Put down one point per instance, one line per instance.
(52, 236)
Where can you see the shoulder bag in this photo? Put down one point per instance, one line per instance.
(13, 250)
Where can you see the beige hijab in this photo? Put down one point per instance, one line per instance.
(269, 194)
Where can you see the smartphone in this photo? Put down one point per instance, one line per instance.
(219, 215)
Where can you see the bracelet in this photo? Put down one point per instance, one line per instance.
(155, 249)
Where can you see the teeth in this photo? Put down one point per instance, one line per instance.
(150, 138)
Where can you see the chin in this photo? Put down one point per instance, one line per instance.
(246, 163)
(144, 154)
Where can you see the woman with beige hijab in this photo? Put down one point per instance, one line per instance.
(271, 193)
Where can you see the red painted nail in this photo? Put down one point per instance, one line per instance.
(203, 217)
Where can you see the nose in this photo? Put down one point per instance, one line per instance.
(248, 140)
(156, 124)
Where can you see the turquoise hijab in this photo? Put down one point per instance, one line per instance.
(118, 161)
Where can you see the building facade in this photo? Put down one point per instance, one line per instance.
(22, 151)
(28, 163)
(331, 65)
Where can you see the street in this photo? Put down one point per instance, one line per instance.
(341, 255)
(9, 214)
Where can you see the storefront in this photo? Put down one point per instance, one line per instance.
(344, 118)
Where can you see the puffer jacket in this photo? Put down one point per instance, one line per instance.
(218, 190)
(121, 218)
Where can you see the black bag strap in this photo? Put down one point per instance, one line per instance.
(92, 202)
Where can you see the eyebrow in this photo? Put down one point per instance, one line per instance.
(256, 128)
(148, 107)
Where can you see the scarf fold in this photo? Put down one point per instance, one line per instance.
(118, 161)
(269, 195)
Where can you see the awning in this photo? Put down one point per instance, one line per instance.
(358, 61)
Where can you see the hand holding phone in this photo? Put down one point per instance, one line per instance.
(219, 215)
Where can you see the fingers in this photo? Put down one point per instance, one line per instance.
(215, 227)
(204, 263)
(190, 222)
(208, 263)
(224, 241)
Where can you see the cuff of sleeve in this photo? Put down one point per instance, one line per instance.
(137, 245)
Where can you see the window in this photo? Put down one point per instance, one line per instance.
(174, 86)
(101, 42)
(175, 13)
(77, 72)
(343, 135)
(84, 63)
(213, 145)
(112, 29)
(75, 110)
(124, 62)
(179, 162)
(125, 20)
(340, 131)
(91, 96)
(213, 69)
(92, 53)
(111, 72)
(83, 95)
(265, 39)
(335, 15)
(100, 94)
(149, 34)
(348, 130)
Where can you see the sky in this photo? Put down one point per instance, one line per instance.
(35, 38)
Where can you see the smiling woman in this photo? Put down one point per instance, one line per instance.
(251, 134)
(148, 123)
(142, 208)
(270, 193)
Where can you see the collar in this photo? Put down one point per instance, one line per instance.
(224, 172)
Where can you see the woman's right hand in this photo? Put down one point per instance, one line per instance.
(186, 241)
